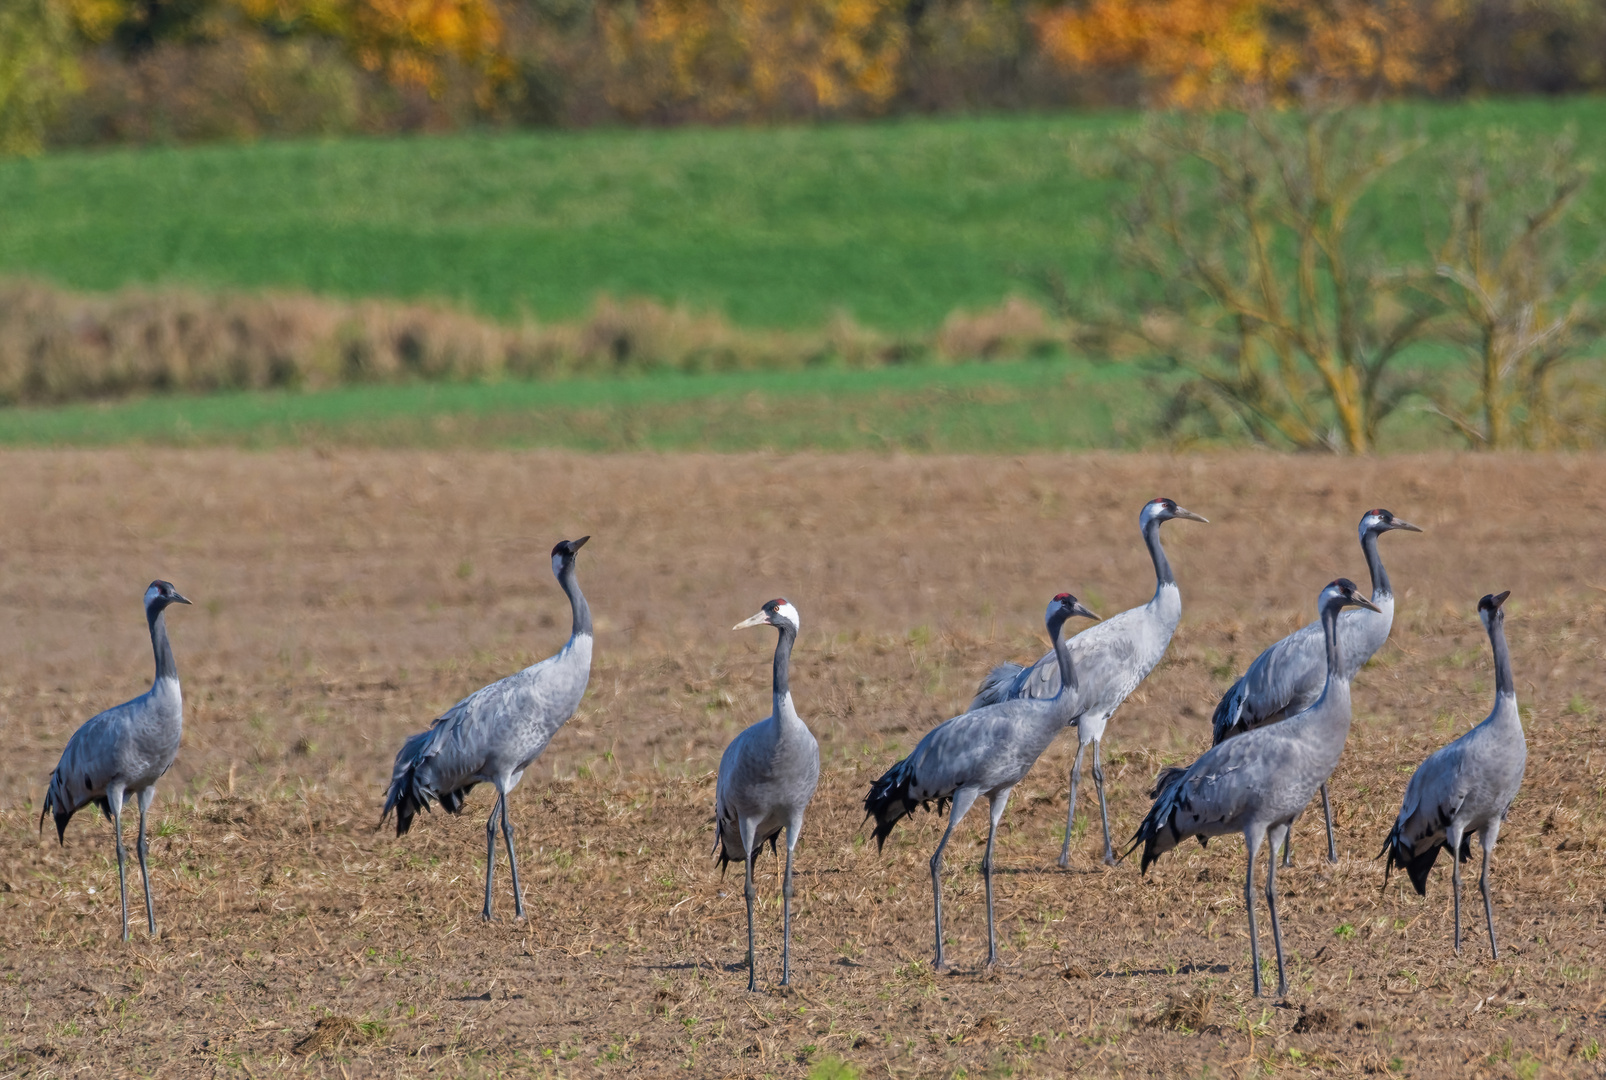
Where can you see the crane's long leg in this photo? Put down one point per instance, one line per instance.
(1452, 840)
(1288, 843)
(995, 814)
(1104, 809)
(962, 801)
(512, 861)
(786, 911)
(114, 797)
(1271, 904)
(1327, 815)
(142, 847)
(1070, 814)
(1486, 839)
(490, 853)
(752, 951)
(1252, 841)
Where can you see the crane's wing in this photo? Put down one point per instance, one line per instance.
(96, 753)
(1285, 679)
(1107, 659)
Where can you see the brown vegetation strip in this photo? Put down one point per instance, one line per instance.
(344, 599)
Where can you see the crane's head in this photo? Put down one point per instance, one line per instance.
(1158, 510)
(159, 595)
(778, 613)
(1489, 608)
(1063, 607)
(563, 554)
(1343, 593)
(1382, 521)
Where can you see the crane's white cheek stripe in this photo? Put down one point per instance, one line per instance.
(787, 611)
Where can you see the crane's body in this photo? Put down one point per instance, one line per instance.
(767, 777)
(981, 753)
(1466, 787)
(494, 734)
(1288, 677)
(1111, 659)
(1258, 783)
(122, 752)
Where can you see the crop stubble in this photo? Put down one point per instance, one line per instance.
(343, 599)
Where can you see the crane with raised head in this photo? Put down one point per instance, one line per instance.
(1288, 677)
(766, 778)
(1258, 783)
(1466, 787)
(495, 733)
(983, 752)
(1111, 658)
(123, 751)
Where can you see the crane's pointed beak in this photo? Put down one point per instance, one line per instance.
(761, 619)
(1361, 601)
(1189, 515)
(1079, 609)
(179, 598)
(1406, 525)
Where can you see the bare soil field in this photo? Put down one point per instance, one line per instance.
(344, 599)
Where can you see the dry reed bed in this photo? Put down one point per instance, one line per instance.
(58, 346)
(343, 599)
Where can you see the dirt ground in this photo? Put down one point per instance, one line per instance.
(343, 599)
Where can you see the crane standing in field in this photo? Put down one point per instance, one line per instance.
(986, 751)
(1288, 677)
(496, 732)
(1466, 787)
(1259, 782)
(1111, 658)
(124, 751)
(766, 778)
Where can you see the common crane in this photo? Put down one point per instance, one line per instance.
(1466, 787)
(496, 732)
(1112, 658)
(1259, 782)
(124, 751)
(986, 751)
(766, 778)
(1289, 675)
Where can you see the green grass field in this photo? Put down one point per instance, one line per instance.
(897, 223)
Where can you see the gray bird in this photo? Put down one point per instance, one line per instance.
(1464, 788)
(1259, 782)
(1288, 677)
(766, 778)
(496, 732)
(124, 751)
(986, 751)
(1112, 658)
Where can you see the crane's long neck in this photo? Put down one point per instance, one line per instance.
(1162, 565)
(1374, 563)
(782, 689)
(166, 668)
(577, 600)
(1505, 687)
(1062, 653)
(1335, 660)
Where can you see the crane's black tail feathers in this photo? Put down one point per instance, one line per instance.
(889, 801)
(407, 795)
(722, 853)
(1225, 722)
(997, 686)
(1158, 820)
(1398, 851)
(56, 807)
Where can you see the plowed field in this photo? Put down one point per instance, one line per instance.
(344, 599)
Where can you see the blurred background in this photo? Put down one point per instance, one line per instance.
(968, 225)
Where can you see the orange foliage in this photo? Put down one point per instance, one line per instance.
(402, 39)
(723, 58)
(1195, 52)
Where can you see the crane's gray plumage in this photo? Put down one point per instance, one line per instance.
(1259, 782)
(766, 778)
(1466, 787)
(986, 751)
(1111, 659)
(1288, 677)
(124, 751)
(496, 732)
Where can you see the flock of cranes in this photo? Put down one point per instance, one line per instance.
(1279, 732)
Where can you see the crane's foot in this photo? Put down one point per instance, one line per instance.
(1109, 858)
(486, 916)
